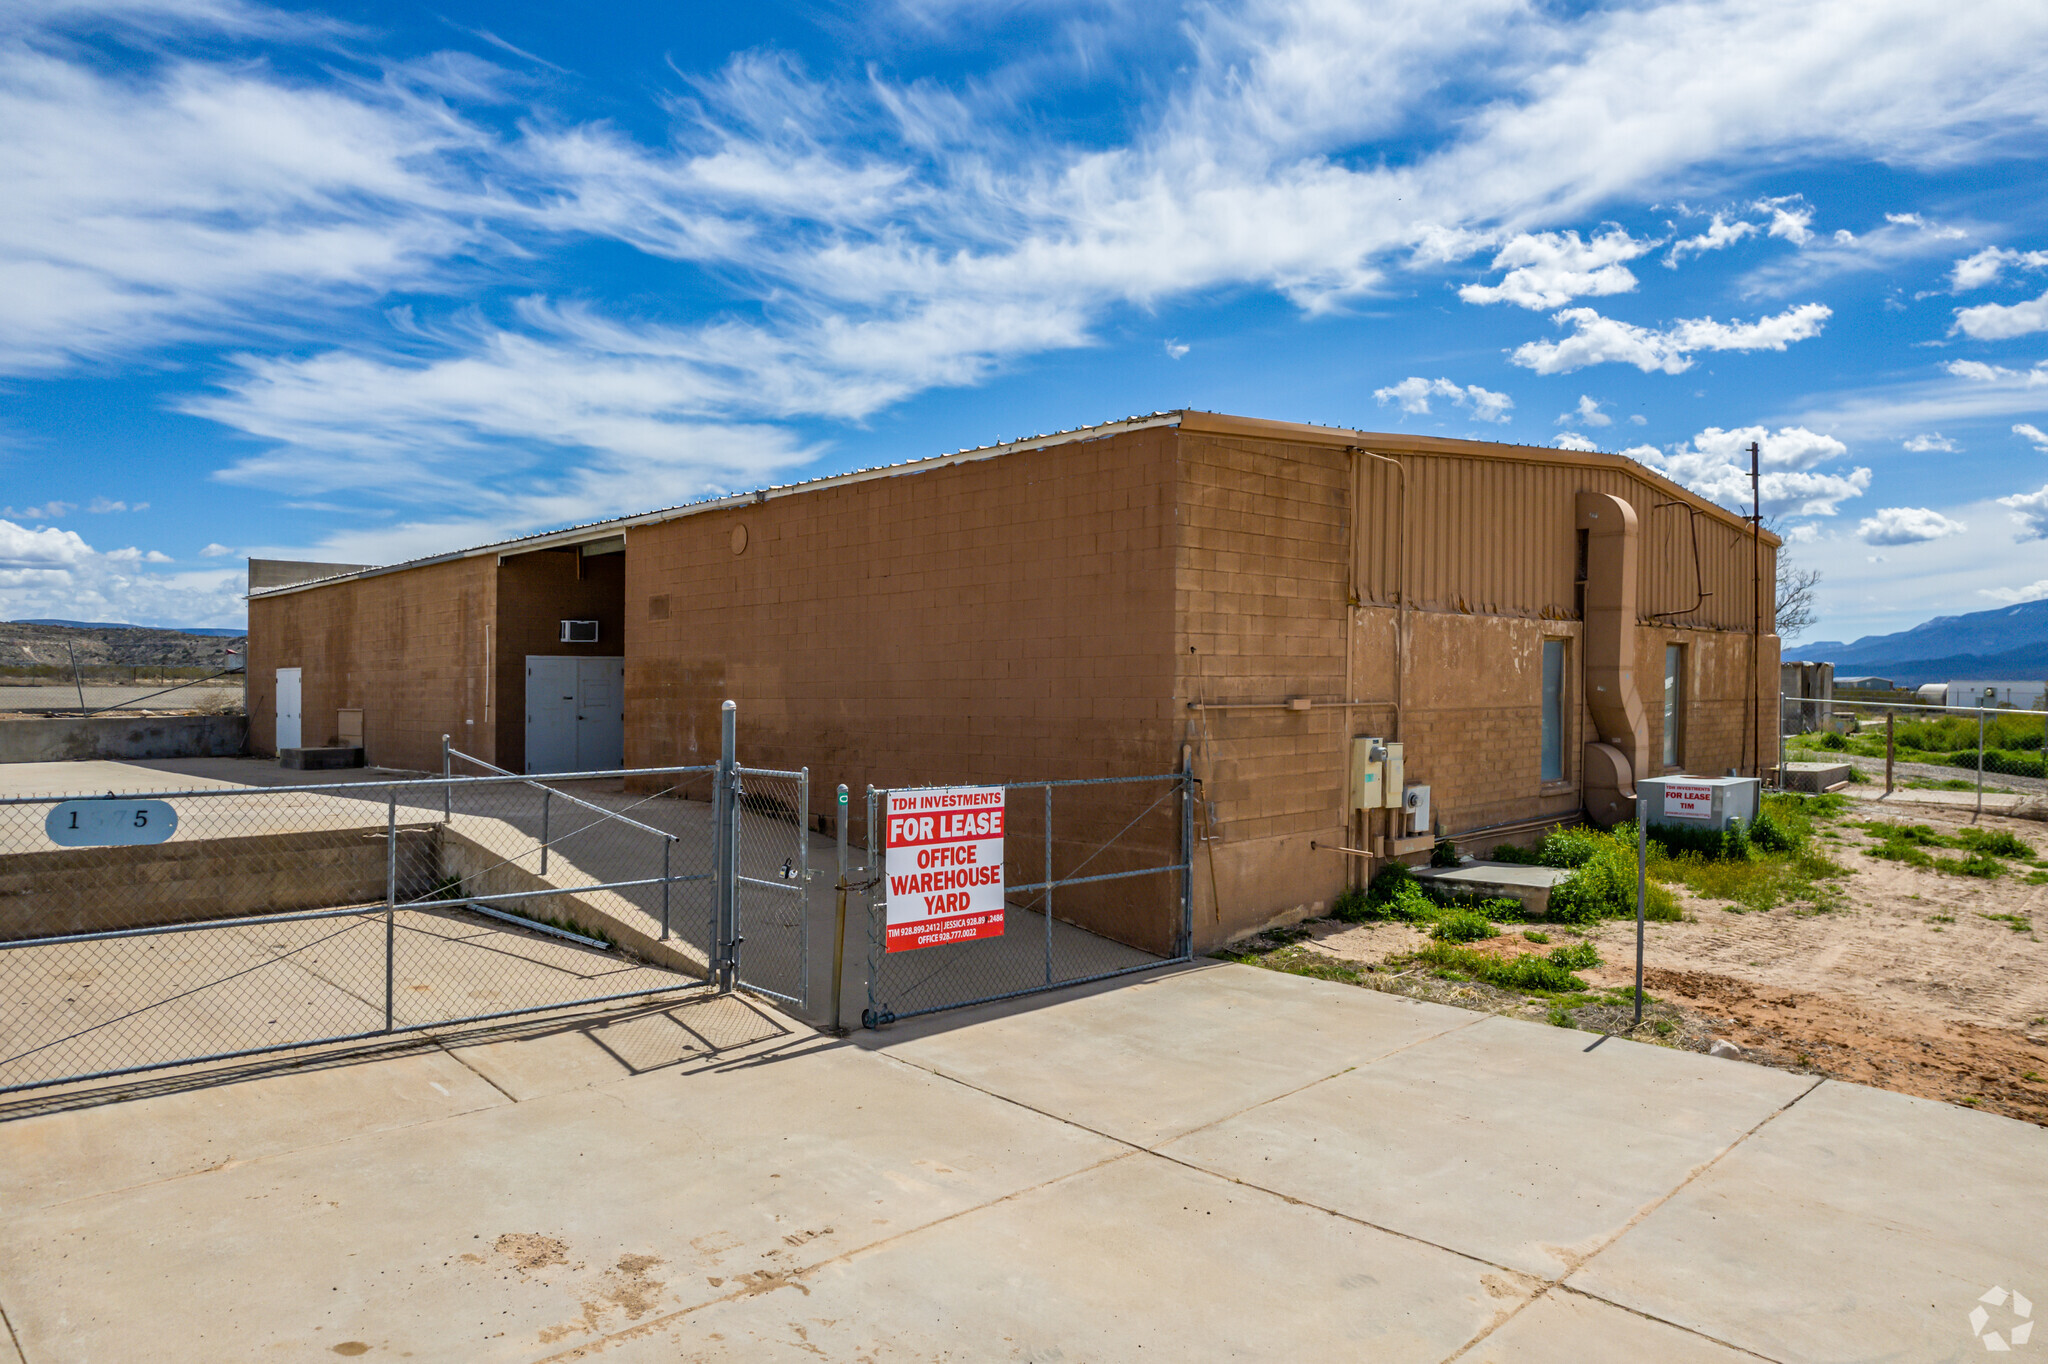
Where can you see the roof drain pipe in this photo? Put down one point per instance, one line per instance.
(1400, 579)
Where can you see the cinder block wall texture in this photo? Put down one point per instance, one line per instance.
(1083, 609)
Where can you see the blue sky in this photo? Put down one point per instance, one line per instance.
(366, 282)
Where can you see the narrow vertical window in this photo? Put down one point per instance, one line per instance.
(1674, 700)
(1553, 710)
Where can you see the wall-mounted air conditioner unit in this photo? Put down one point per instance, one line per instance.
(579, 632)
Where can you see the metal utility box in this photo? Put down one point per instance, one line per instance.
(1698, 802)
(1397, 768)
(579, 632)
(1415, 800)
(1368, 776)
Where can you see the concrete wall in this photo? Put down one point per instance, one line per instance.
(536, 593)
(412, 650)
(82, 738)
(98, 890)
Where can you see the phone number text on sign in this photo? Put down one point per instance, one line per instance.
(945, 866)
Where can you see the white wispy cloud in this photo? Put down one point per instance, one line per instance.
(2033, 591)
(1572, 440)
(51, 572)
(1548, 269)
(1413, 395)
(2029, 512)
(1715, 463)
(1587, 413)
(2003, 321)
(1907, 526)
(1720, 233)
(215, 550)
(1986, 266)
(1931, 443)
(1599, 340)
(1791, 218)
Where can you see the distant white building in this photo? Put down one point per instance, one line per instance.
(2017, 695)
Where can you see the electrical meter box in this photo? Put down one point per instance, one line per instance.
(1396, 771)
(1368, 773)
(1698, 802)
(1415, 800)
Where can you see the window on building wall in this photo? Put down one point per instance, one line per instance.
(1674, 700)
(1553, 709)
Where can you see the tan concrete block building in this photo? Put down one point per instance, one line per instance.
(1532, 627)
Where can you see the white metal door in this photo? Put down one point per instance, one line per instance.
(288, 728)
(550, 713)
(600, 713)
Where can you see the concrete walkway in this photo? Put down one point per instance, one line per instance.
(1212, 1163)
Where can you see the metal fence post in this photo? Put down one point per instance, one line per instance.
(724, 886)
(1642, 894)
(1888, 751)
(1187, 855)
(839, 913)
(447, 782)
(667, 845)
(390, 901)
(547, 800)
(1980, 762)
(870, 1017)
(1048, 883)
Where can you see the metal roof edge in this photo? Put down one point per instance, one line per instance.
(597, 530)
(1396, 442)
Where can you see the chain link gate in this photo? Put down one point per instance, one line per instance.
(1085, 911)
(145, 931)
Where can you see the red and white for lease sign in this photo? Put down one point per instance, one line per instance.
(1688, 802)
(945, 866)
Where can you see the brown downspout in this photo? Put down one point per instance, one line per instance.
(1608, 639)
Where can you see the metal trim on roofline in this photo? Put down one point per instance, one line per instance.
(1198, 421)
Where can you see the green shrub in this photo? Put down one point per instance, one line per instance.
(1444, 854)
(1395, 893)
(1569, 847)
(1976, 864)
(1501, 908)
(1833, 742)
(1508, 852)
(1997, 842)
(1771, 836)
(1725, 845)
(1580, 956)
(1352, 907)
(1525, 972)
(1604, 885)
(1999, 761)
(1463, 926)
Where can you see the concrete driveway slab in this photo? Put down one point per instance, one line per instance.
(1146, 1062)
(1506, 1140)
(696, 1031)
(1134, 1260)
(57, 1157)
(1562, 1327)
(1858, 1225)
(500, 1233)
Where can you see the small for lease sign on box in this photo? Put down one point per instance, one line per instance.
(1698, 802)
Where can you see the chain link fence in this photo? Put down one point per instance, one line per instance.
(145, 931)
(1911, 744)
(1098, 882)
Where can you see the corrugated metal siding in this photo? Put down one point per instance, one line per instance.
(1499, 537)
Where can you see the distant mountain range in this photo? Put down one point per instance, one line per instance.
(213, 630)
(2004, 643)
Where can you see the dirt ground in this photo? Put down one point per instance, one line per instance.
(1906, 986)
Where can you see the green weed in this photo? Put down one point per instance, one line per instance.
(1527, 972)
(1463, 926)
(1997, 842)
(1533, 936)
(2018, 923)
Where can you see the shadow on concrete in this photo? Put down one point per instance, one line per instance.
(733, 1027)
